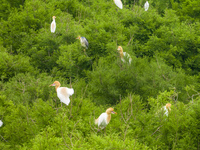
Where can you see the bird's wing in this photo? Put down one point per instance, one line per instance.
(127, 57)
(86, 42)
(53, 27)
(164, 110)
(70, 91)
(146, 6)
(63, 94)
(102, 120)
(119, 3)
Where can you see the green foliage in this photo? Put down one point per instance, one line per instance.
(188, 10)
(24, 88)
(13, 64)
(163, 43)
(109, 81)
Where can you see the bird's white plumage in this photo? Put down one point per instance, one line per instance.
(53, 25)
(102, 120)
(84, 42)
(1, 123)
(126, 56)
(64, 93)
(118, 3)
(146, 6)
(165, 110)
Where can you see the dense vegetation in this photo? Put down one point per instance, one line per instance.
(164, 43)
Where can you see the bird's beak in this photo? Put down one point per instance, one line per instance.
(113, 112)
(118, 49)
(77, 38)
(52, 84)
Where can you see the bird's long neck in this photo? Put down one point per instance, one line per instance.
(168, 108)
(121, 53)
(56, 87)
(108, 118)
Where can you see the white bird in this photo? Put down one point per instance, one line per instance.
(53, 25)
(63, 93)
(146, 6)
(124, 55)
(104, 118)
(166, 109)
(84, 41)
(1, 123)
(119, 3)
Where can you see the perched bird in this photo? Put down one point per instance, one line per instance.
(104, 118)
(166, 109)
(146, 6)
(1, 123)
(119, 3)
(84, 41)
(63, 93)
(124, 55)
(53, 25)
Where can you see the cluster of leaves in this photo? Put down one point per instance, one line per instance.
(164, 45)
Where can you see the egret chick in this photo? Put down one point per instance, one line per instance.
(63, 93)
(53, 25)
(104, 118)
(146, 6)
(84, 41)
(118, 3)
(124, 54)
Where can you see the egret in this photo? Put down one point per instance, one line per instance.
(53, 25)
(104, 118)
(124, 54)
(63, 93)
(1, 123)
(146, 6)
(166, 109)
(119, 3)
(84, 41)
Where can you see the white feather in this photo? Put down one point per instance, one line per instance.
(1, 123)
(53, 26)
(146, 6)
(127, 56)
(64, 93)
(119, 3)
(165, 110)
(102, 120)
(84, 42)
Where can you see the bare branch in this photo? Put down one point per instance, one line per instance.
(121, 110)
(130, 40)
(3, 138)
(72, 132)
(156, 130)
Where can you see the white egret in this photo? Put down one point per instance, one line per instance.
(146, 6)
(166, 109)
(124, 55)
(84, 41)
(63, 93)
(118, 3)
(104, 118)
(53, 25)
